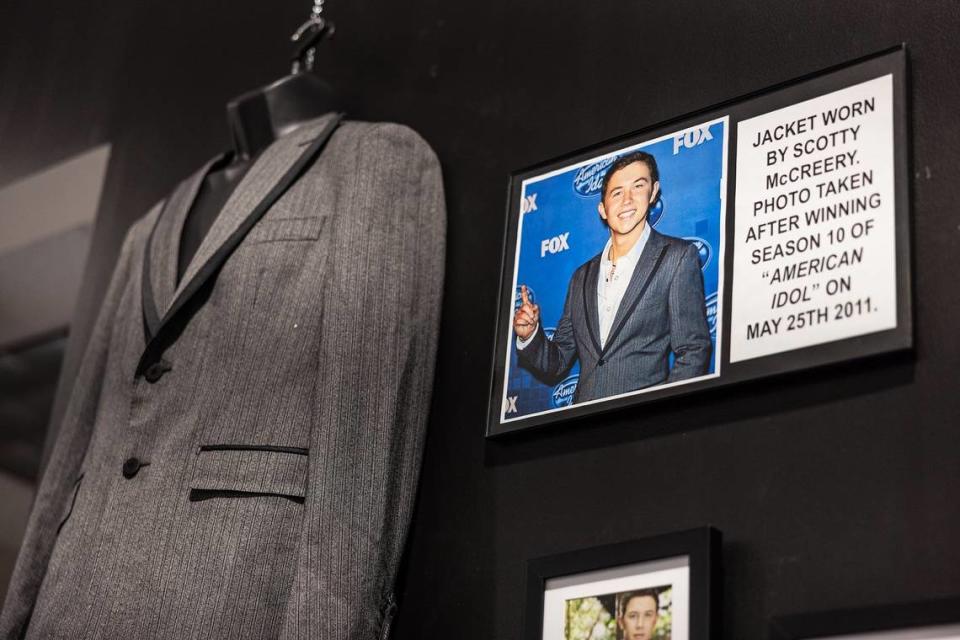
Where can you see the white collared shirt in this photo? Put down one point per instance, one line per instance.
(609, 294)
(610, 290)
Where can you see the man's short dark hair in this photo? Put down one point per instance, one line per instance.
(627, 160)
(625, 598)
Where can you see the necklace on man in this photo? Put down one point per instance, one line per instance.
(613, 266)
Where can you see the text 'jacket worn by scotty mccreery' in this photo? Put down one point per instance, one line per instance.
(240, 452)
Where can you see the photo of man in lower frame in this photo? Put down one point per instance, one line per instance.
(629, 308)
(638, 614)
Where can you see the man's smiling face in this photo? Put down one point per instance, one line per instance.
(627, 199)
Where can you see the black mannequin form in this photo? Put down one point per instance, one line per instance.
(256, 119)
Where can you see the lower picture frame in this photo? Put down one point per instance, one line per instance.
(937, 619)
(664, 587)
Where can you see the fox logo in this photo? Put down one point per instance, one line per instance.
(691, 138)
(528, 204)
(555, 244)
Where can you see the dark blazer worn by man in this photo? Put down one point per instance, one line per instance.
(662, 311)
(240, 451)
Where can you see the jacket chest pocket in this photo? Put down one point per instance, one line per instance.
(230, 471)
(276, 258)
(278, 245)
(290, 229)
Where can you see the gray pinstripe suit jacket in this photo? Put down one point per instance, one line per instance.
(662, 311)
(272, 422)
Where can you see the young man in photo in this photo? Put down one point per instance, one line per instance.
(637, 613)
(629, 307)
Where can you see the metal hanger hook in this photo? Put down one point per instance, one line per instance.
(312, 21)
(308, 36)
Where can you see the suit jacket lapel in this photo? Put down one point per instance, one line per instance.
(643, 273)
(590, 302)
(266, 180)
(163, 250)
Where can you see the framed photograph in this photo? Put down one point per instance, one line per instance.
(929, 620)
(657, 588)
(764, 235)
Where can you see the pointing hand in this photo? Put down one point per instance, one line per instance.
(527, 317)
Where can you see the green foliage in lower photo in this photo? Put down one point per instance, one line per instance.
(664, 626)
(590, 619)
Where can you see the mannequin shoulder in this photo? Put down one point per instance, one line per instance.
(385, 143)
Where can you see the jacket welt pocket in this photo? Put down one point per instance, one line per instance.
(248, 471)
(290, 229)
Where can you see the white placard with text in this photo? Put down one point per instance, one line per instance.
(814, 244)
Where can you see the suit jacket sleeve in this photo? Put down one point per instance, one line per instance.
(378, 344)
(59, 479)
(547, 358)
(689, 332)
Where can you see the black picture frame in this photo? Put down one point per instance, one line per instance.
(892, 61)
(700, 547)
(919, 617)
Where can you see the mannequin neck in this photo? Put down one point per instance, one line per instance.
(259, 117)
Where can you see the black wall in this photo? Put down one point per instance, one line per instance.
(835, 488)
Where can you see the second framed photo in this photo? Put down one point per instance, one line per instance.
(658, 588)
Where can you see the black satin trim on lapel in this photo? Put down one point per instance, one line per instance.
(224, 251)
(151, 317)
(151, 312)
(73, 503)
(590, 293)
(633, 305)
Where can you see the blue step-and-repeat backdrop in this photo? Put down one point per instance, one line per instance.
(560, 229)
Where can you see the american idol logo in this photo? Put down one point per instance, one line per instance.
(704, 252)
(711, 305)
(563, 393)
(588, 179)
(655, 212)
(518, 297)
